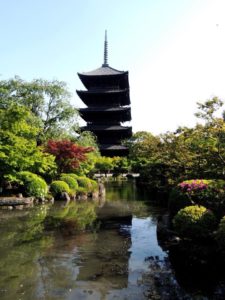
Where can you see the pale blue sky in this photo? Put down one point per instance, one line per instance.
(174, 50)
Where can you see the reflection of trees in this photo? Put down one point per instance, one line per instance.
(197, 267)
(71, 217)
(19, 250)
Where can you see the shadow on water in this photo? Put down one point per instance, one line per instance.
(103, 249)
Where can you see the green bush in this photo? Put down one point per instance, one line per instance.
(220, 234)
(33, 185)
(177, 201)
(209, 193)
(59, 186)
(94, 185)
(85, 184)
(72, 182)
(194, 222)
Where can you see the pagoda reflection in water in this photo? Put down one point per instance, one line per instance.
(108, 105)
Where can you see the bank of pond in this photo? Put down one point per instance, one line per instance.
(118, 245)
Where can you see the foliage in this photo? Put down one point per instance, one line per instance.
(87, 139)
(104, 164)
(94, 185)
(59, 186)
(194, 222)
(72, 182)
(33, 184)
(177, 200)
(72, 217)
(210, 193)
(18, 147)
(84, 182)
(120, 165)
(68, 155)
(220, 234)
(199, 152)
(48, 100)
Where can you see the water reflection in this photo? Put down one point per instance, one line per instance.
(104, 249)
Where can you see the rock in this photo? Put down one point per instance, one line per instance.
(63, 196)
(82, 196)
(14, 201)
(95, 195)
(101, 188)
(19, 207)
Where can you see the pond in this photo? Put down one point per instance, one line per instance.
(104, 249)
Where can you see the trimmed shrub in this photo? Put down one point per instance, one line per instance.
(94, 185)
(72, 182)
(33, 185)
(194, 222)
(220, 234)
(59, 186)
(209, 193)
(85, 184)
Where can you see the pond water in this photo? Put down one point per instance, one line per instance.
(104, 249)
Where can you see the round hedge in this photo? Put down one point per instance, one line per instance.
(194, 222)
(72, 182)
(59, 186)
(33, 184)
(85, 184)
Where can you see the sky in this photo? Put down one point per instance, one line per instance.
(174, 50)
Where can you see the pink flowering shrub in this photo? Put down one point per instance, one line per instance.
(209, 193)
(194, 185)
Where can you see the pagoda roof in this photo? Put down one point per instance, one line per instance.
(104, 109)
(113, 150)
(107, 128)
(103, 91)
(112, 147)
(104, 70)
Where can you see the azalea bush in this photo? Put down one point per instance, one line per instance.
(210, 193)
(195, 222)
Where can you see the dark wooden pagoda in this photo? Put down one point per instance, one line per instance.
(108, 105)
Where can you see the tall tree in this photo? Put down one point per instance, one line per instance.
(48, 100)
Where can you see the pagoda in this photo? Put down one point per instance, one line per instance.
(108, 105)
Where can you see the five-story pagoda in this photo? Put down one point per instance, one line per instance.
(108, 105)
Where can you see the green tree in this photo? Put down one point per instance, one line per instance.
(48, 100)
(18, 146)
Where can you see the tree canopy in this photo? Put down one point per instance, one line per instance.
(47, 100)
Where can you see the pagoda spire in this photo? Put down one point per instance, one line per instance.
(105, 64)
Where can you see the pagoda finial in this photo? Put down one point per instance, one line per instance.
(105, 64)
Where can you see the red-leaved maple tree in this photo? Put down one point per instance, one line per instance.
(68, 155)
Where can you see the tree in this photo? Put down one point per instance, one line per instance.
(208, 109)
(68, 155)
(18, 146)
(48, 100)
(187, 153)
(104, 164)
